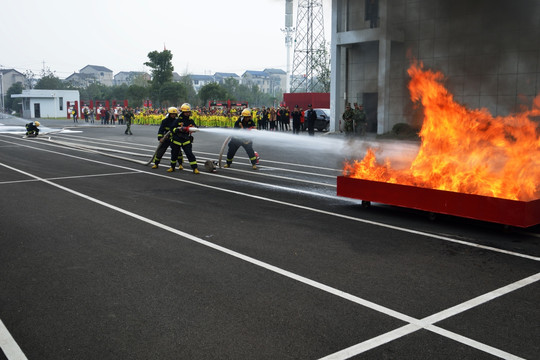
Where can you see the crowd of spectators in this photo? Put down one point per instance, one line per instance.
(267, 118)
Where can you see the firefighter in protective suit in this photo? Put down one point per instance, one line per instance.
(182, 139)
(244, 122)
(32, 128)
(164, 137)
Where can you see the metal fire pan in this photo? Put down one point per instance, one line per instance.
(503, 211)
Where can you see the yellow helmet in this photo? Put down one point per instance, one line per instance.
(172, 110)
(185, 107)
(246, 112)
(37, 123)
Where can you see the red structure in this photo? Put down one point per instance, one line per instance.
(318, 100)
(228, 104)
(503, 211)
(75, 105)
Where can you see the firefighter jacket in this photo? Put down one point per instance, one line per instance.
(31, 128)
(166, 125)
(244, 124)
(180, 130)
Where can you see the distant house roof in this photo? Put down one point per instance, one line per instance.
(131, 73)
(275, 71)
(176, 76)
(202, 77)
(225, 75)
(256, 73)
(5, 71)
(97, 68)
(80, 76)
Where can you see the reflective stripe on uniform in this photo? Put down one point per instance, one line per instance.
(182, 144)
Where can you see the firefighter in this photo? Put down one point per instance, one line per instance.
(164, 137)
(244, 122)
(182, 138)
(32, 128)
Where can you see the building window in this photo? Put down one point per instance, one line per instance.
(61, 103)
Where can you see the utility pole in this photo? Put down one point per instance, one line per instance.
(2, 90)
(288, 30)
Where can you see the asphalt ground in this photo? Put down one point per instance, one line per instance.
(104, 258)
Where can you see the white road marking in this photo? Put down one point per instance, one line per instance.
(415, 324)
(445, 314)
(347, 217)
(70, 177)
(9, 346)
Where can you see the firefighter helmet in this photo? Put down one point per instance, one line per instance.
(172, 110)
(185, 107)
(246, 112)
(37, 123)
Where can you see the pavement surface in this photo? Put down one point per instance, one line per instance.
(104, 258)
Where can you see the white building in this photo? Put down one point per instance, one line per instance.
(47, 103)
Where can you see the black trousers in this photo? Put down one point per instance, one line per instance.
(235, 144)
(176, 147)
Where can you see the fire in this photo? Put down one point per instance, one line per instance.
(464, 150)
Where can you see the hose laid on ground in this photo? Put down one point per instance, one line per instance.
(223, 149)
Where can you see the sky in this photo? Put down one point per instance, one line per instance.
(204, 36)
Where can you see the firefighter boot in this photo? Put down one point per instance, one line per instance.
(196, 171)
(254, 167)
(155, 166)
(180, 167)
(171, 169)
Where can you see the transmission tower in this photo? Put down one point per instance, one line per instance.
(309, 47)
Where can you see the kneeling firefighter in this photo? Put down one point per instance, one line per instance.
(182, 139)
(244, 122)
(32, 128)
(164, 136)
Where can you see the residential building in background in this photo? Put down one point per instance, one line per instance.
(199, 81)
(8, 77)
(127, 77)
(101, 74)
(80, 79)
(269, 81)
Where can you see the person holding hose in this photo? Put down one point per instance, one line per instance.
(182, 138)
(244, 122)
(164, 137)
(32, 128)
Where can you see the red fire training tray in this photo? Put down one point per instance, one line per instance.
(503, 211)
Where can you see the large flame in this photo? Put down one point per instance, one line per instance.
(463, 150)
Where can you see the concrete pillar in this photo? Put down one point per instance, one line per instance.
(383, 104)
(335, 79)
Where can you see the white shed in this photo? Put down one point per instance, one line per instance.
(47, 103)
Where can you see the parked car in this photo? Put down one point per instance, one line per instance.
(322, 123)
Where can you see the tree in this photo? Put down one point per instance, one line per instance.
(322, 68)
(119, 92)
(30, 79)
(49, 80)
(9, 103)
(192, 96)
(97, 91)
(172, 93)
(137, 94)
(162, 70)
(212, 91)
